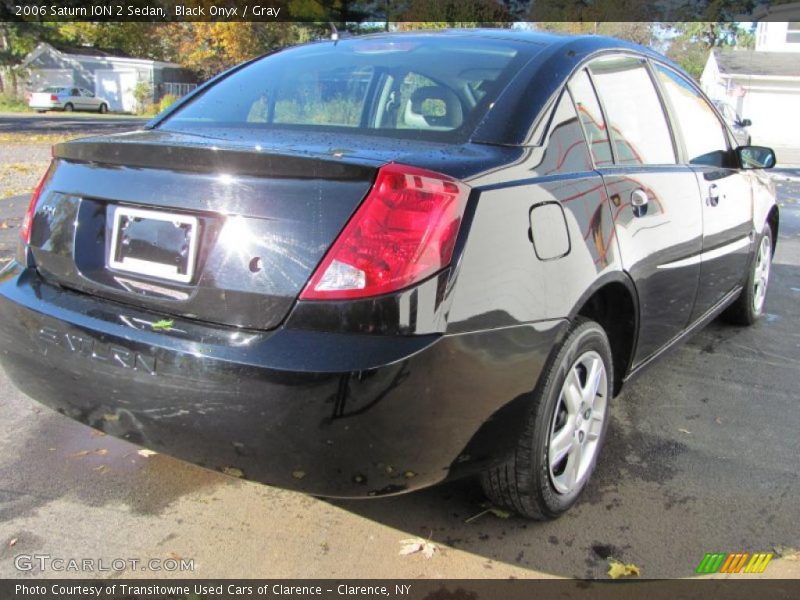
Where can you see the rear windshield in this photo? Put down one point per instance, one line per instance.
(414, 87)
(52, 90)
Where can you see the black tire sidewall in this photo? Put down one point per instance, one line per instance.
(68, 107)
(585, 336)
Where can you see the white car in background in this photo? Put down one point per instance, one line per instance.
(67, 99)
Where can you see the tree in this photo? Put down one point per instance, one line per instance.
(16, 41)
(210, 47)
(635, 31)
(693, 41)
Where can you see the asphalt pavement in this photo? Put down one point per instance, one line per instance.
(57, 122)
(701, 457)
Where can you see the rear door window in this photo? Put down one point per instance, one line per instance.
(591, 118)
(703, 133)
(639, 128)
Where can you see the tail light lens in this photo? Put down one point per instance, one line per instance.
(402, 233)
(27, 221)
(53, 98)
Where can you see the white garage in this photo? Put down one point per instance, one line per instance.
(763, 86)
(110, 74)
(770, 111)
(117, 87)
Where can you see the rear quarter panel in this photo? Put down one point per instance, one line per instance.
(501, 281)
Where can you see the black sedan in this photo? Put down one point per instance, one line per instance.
(363, 267)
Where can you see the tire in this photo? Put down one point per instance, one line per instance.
(103, 109)
(749, 306)
(68, 107)
(527, 482)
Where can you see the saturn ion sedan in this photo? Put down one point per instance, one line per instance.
(363, 267)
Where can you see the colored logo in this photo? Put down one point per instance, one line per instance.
(740, 562)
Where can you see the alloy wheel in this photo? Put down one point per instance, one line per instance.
(761, 274)
(577, 423)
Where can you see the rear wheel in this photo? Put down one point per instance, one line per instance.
(558, 449)
(68, 107)
(103, 108)
(749, 307)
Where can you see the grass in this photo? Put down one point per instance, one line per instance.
(17, 179)
(38, 138)
(10, 103)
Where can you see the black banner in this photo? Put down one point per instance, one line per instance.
(445, 589)
(372, 11)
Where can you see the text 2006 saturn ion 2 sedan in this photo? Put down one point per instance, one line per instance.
(363, 267)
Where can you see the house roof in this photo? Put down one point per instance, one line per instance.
(755, 64)
(77, 52)
(89, 51)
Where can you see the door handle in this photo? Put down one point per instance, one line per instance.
(639, 202)
(713, 195)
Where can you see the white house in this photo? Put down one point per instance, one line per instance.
(763, 85)
(109, 74)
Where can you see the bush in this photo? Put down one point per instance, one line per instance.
(167, 101)
(143, 93)
(12, 103)
(149, 109)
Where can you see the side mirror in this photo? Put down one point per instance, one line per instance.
(756, 157)
(745, 123)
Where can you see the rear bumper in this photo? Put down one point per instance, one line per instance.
(329, 414)
(46, 105)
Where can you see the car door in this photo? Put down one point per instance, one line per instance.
(74, 98)
(653, 199)
(89, 100)
(726, 191)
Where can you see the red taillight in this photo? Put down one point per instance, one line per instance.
(403, 232)
(27, 221)
(53, 98)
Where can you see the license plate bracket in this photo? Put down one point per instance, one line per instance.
(153, 243)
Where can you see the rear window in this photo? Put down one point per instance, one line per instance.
(416, 87)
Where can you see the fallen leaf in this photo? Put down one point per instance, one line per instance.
(718, 420)
(146, 453)
(110, 417)
(298, 474)
(4, 225)
(80, 454)
(233, 472)
(413, 545)
(617, 569)
(499, 513)
(102, 469)
(13, 542)
(409, 474)
(686, 431)
(101, 451)
(96, 433)
(162, 325)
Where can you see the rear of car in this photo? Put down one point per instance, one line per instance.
(49, 98)
(261, 280)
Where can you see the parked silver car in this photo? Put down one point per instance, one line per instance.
(67, 99)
